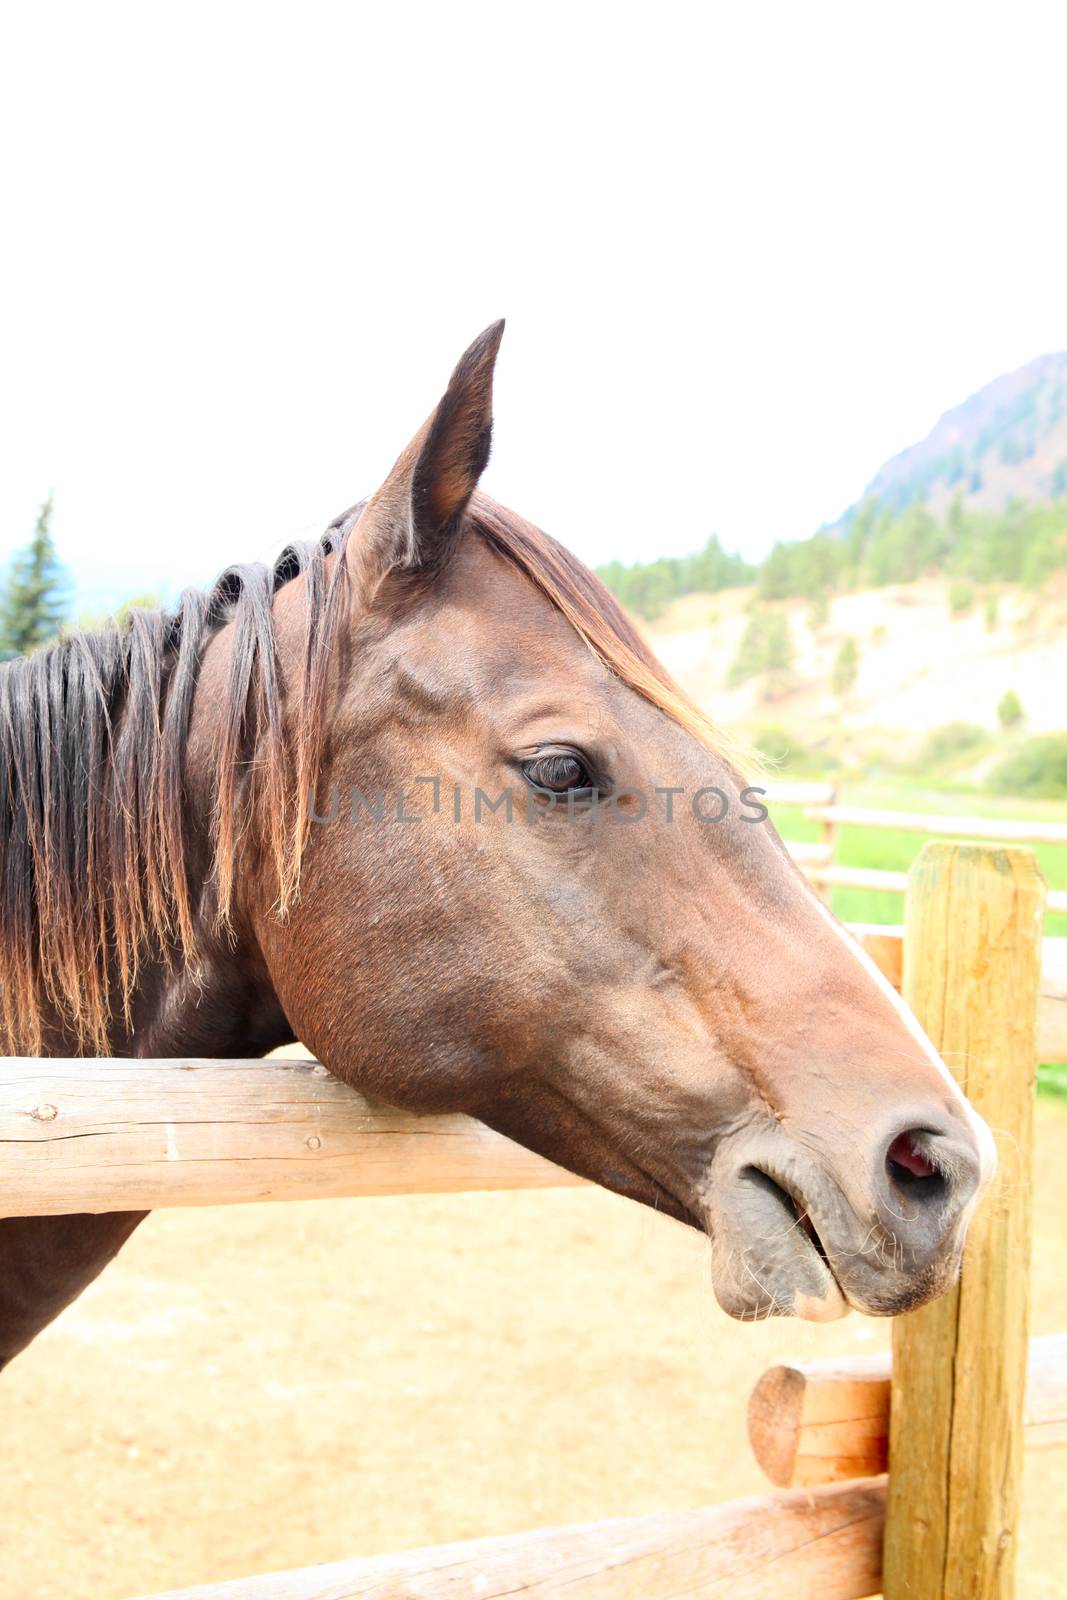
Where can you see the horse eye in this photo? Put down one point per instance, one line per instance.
(558, 771)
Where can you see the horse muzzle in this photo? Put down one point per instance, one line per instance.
(793, 1236)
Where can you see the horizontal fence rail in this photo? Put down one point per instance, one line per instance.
(825, 1542)
(132, 1135)
(932, 825)
(122, 1135)
(831, 875)
(817, 864)
(817, 859)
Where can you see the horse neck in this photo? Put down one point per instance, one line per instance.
(224, 1006)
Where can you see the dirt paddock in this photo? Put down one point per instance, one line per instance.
(268, 1386)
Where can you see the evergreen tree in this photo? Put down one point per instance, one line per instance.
(766, 651)
(779, 655)
(1009, 709)
(877, 544)
(819, 610)
(846, 668)
(33, 603)
(751, 658)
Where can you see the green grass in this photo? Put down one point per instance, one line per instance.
(879, 847)
(1052, 1079)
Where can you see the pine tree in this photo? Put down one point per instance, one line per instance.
(846, 668)
(1009, 709)
(33, 603)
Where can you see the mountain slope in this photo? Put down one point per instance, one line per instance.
(921, 664)
(1006, 442)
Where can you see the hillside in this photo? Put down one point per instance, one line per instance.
(919, 665)
(1006, 442)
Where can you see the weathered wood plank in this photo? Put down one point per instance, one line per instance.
(824, 1542)
(827, 874)
(884, 943)
(972, 952)
(83, 1135)
(828, 1421)
(808, 853)
(833, 876)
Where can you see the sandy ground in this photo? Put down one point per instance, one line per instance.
(268, 1386)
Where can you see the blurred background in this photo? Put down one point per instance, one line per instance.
(786, 362)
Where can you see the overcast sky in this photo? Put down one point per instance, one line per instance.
(745, 253)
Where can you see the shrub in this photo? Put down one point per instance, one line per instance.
(991, 609)
(1038, 769)
(779, 747)
(951, 742)
(846, 668)
(784, 752)
(960, 596)
(1009, 709)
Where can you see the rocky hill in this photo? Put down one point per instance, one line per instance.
(1006, 442)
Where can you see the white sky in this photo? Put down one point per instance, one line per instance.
(745, 253)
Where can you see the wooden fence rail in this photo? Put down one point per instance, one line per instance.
(933, 825)
(817, 863)
(138, 1135)
(825, 1542)
(818, 859)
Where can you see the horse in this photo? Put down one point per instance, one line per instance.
(572, 919)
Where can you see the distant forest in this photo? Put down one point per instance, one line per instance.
(877, 546)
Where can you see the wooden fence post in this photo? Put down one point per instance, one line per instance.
(972, 954)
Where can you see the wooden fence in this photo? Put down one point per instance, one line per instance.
(951, 1414)
(818, 858)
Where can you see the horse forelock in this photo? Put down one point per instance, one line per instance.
(598, 618)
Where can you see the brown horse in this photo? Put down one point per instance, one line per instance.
(421, 797)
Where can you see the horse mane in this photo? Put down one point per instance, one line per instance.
(93, 733)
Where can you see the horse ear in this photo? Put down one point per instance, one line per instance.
(412, 521)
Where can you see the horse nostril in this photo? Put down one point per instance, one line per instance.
(911, 1168)
(904, 1152)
